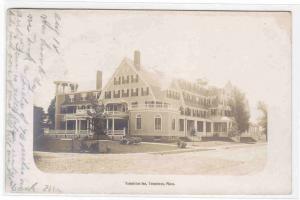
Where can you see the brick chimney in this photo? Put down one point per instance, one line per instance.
(99, 80)
(137, 60)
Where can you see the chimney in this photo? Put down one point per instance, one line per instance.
(99, 80)
(137, 60)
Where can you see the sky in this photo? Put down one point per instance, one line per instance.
(252, 50)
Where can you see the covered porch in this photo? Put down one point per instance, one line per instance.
(116, 126)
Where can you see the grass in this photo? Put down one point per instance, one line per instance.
(115, 147)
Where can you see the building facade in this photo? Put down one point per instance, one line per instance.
(137, 102)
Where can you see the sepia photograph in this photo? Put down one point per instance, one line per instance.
(148, 93)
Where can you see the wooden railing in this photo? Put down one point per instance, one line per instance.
(152, 106)
(115, 133)
(116, 112)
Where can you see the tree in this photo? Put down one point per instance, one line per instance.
(51, 113)
(239, 110)
(233, 131)
(98, 115)
(263, 120)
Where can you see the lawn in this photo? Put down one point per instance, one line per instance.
(116, 147)
(105, 146)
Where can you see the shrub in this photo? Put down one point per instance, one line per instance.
(137, 140)
(123, 141)
(94, 148)
(131, 140)
(181, 144)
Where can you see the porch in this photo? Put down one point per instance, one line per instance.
(207, 128)
(116, 127)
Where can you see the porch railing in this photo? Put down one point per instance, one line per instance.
(153, 106)
(115, 133)
(115, 112)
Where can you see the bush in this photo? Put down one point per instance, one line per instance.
(131, 140)
(181, 144)
(123, 141)
(108, 149)
(94, 148)
(137, 140)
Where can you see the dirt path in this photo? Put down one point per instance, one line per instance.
(226, 160)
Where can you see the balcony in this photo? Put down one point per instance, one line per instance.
(116, 109)
(153, 106)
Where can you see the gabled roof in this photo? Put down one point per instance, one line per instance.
(152, 78)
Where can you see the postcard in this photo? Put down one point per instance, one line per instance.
(148, 102)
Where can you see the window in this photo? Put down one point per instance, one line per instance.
(220, 127)
(138, 121)
(145, 92)
(107, 95)
(134, 79)
(83, 125)
(117, 81)
(173, 95)
(181, 124)
(208, 127)
(125, 94)
(134, 104)
(199, 126)
(157, 123)
(134, 92)
(188, 111)
(117, 94)
(173, 124)
(125, 80)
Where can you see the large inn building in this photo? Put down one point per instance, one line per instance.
(138, 104)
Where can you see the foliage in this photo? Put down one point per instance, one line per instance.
(239, 110)
(193, 132)
(51, 114)
(263, 121)
(131, 140)
(181, 144)
(38, 125)
(98, 115)
(233, 131)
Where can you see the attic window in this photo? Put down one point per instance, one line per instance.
(134, 79)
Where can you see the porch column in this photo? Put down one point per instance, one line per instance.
(113, 126)
(79, 128)
(185, 127)
(76, 126)
(204, 127)
(128, 126)
(66, 127)
(227, 127)
(88, 125)
(106, 124)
